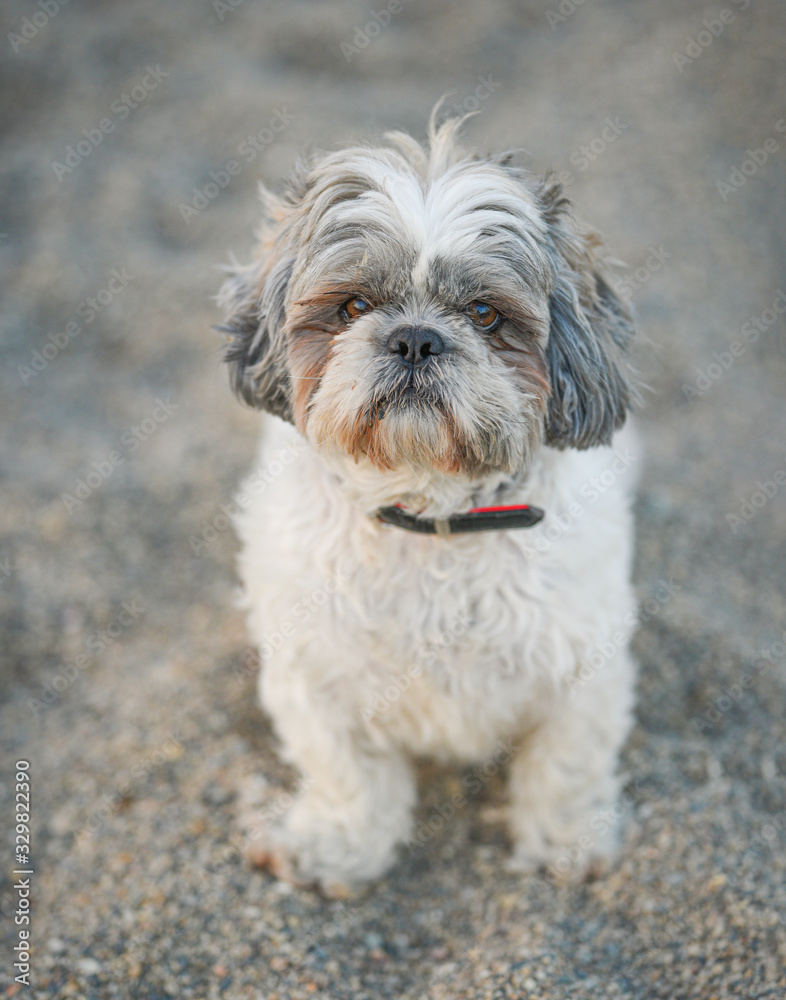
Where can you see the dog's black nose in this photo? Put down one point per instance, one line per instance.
(415, 345)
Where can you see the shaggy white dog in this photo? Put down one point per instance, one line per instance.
(445, 363)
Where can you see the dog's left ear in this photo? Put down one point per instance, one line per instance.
(592, 380)
(254, 298)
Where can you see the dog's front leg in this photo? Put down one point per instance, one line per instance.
(564, 787)
(356, 799)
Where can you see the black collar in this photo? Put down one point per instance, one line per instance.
(478, 519)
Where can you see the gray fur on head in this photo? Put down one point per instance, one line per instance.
(253, 298)
(591, 332)
(420, 234)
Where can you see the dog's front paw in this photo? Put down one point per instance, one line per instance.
(291, 859)
(309, 847)
(563, 866)
(566, 858)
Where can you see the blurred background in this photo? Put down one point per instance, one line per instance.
(133, 138)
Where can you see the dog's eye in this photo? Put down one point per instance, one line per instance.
(483, 315)
(355, 308)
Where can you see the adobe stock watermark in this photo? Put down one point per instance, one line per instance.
(224, 7)
(381, 701)
(247, 666)
(7, 569)
(749, 333)
(718, 706)
(255, 484)
(96, 644)
(300, 613)
(130, 441)
(557, 524)
(565, 10)
(765, 835)
(363, 35)
(248, 150)
(760, 497)
(170, 748)
(626, 284)
(264, 817)
(35, 22)
(753, 162)
(23, 866)
(471, 784)
(711, 28)
(472, 102)
(121, 108)
(584, 155)
(601, 823)
(87, 311)
(604, 652)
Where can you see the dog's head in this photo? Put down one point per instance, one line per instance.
(430, 309)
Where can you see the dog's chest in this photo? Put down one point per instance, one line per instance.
(464, 614)
(455, 639)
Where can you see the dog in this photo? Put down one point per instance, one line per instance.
(436, 545)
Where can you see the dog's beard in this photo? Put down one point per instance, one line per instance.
(441, 418)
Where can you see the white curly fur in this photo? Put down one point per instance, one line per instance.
(370, 609)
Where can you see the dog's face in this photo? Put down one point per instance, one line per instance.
(430, 310)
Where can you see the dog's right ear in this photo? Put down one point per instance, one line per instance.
(253, 298)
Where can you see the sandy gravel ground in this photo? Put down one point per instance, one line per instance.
(140, 756)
